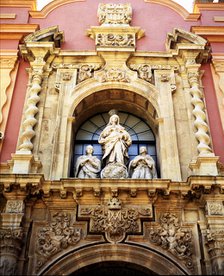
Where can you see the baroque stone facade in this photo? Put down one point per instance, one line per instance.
(53, 223)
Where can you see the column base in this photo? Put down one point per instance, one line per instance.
(205, 165)
(24, 162)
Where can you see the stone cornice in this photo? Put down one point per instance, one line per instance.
(209, 7)
(35, 184)
(211, 33)
(31, 4)
(16, 31)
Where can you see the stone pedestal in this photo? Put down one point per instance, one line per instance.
(206, 165)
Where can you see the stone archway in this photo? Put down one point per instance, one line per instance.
(137, 258)
(113, 268)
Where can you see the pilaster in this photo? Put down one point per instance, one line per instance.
(170, 167)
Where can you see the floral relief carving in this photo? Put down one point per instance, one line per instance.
(113, 74)
(144, 71)
(215, 208)
(172, 238)
(114, 220)
(14, 206)
(86, 72)
(57, 236)
(118, 40)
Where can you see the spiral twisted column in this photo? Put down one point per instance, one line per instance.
(29, 121)
(200, 123)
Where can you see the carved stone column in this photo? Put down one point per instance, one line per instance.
(206, 162)
(11, 234)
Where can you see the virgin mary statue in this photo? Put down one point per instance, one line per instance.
(115, 141)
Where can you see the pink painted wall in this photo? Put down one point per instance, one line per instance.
(155, 19)
(213, 113)
(22, 15)
(14, 119)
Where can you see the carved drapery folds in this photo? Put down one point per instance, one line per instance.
(55, 237)
(172, 237)
(115, 220)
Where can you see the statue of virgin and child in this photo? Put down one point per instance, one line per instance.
(115, 141)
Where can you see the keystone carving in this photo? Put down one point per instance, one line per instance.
(56, 237)
(114, 220)
(172, 238)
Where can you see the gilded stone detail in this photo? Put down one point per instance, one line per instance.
(171, 237)
(114, 219)
(114, 13)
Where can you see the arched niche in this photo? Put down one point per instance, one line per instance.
(142, 258)
(91, 97)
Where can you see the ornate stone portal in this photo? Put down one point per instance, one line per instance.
(49, 218)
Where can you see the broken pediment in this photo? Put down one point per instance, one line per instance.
(51, 34)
